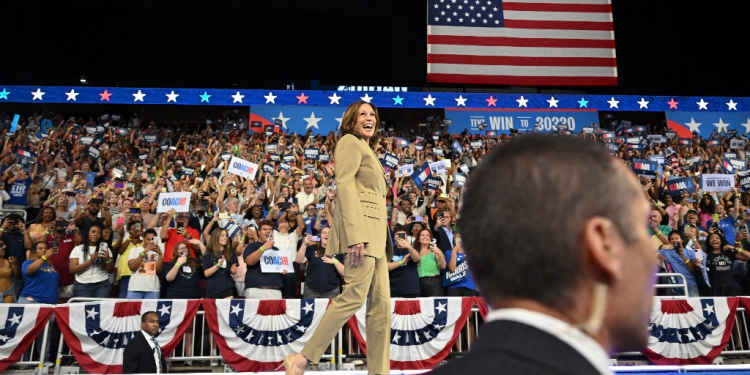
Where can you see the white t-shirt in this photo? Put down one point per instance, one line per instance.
(92, 274)
(286, 242)
(145, 278)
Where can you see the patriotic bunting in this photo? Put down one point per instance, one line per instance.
(20, 324)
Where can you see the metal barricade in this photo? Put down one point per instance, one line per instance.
(7, 211)
(682, 285)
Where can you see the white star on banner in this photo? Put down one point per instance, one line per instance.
(732, 105)
(460, 101)
(308, 308)
(440, 307)
(37, 94)
(4, 338)
(702, 105)
(613, 103)
(72, 95)
(301, 328)
(15, 319)
(172, 97)
(237, 97)
(339, 120)
(282, 118)
(643, 103)
(552, 102)
(164, 310)
(312, 120)
(694, 126)
(719, 125)
(91, 313)
(366, 98)
(236, 309)
(429, 100)
(396, 337)
(522, 102)
(239, 329)
(138, 96)
(710, 308)
(334, 98)
(270, 98)
(747, 125)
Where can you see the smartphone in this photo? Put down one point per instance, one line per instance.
(53, 244)
(180, 225)
(401, 235)
(315, 238)
(96, 201)
(320, 206)
(441, 214)
(458, 241)
(715, 218)
(224, 215)
(120, 222)
(433, 242)
(70, 193)
(154, 240)
(173, 148)
(418, 218)
(285, 205)
(103, 249)
(135, 210)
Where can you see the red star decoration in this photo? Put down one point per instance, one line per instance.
(491, 101)
(302, 98)
(672, 104)
(105, 96)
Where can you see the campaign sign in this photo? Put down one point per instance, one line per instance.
(402, 142)
(717, 182)
(639, 128)
(97, 142)
(726, 166)
(100, 128)
(634, 140)
(635, 147)
(587, 129)
(676, 186)
(179, 201)
(149, 138)
(464, 168)
(433, 183)
(117, 172)
(739, 165)
(285, 166)
(86, 141)
(685, 142)
(439, 167)
(226, 156)
(390, 160)
(164, 147)
(273, 147)
(24, 156)
(90, 129)
(143, 156)
(14, 123)
(730, 155)
(657, 138)
(324, 157)
(713, 143)
(273, 157)
(268, 168)
(288, 158)
(737, 144)
(438, 151)
(406, 170)
(608, 135)
(231, 229)
(418, 147)
(242, 168)
(459, 274)
(121, 131)
(744, 180)
(187, 171)
(459, 180)
(456, 146)
(502, 120)
(94, 152)
(407, 161)
(476, 144)
(420, 175)
(645, 167)
(276, 261)
(657, 158)
(312, 153)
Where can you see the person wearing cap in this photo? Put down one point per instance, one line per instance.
(691, 217)
(443, 232)
(442, 203)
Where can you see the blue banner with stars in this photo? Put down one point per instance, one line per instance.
(707, 123)
(300, 119)
(479, 121)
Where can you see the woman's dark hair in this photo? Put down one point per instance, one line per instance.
(86, 249)
(319, 249)
(721, 237)
(707, 207)
(349, 122)
(41, 213)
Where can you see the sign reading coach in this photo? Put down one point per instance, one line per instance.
(179, 201)
(276, 261)
(503, 120)
(242, 168)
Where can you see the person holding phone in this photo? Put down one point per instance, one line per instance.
(17, 238)
(443, 231)
(402, 268)
(219, 264)
(90, 215)
(40, 276)
(38, 231)
(431, 263)
(724, 221)
(324, 272)
(180, 233)
(64, 238)
(145, 263)
(91, 263)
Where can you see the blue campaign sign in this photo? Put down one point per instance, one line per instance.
(477, 120)
(14, 124)
(645, 167)
(420, 175)
(744, 180)
(299, 119)
(676, 186)
(705, 123)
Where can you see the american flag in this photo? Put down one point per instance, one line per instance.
(521, 42)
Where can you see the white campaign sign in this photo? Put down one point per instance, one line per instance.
(276, 261)
(179, 201)
(717, 182)
(439, 167)
(737, 144)
(242, 168)
(406, 170)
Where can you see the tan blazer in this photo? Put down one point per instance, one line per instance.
(360, 215)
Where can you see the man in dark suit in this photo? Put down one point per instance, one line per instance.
(443, 233)
(143, 354)
(555, 235)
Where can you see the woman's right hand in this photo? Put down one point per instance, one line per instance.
(182, 259)
(308, 240)
(50, 252)
(94, 255)
(402, 243)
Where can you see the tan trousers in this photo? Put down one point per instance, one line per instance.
(372, 276)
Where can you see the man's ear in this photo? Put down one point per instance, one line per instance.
(603, 250)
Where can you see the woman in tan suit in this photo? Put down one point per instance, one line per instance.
(359, 230)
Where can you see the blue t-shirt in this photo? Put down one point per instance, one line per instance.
(460, 278)
(678, 265)
(254, 278)
(321, 276)
(40, 285)
(19, 192)
(222, 279)
(185, 284)
(727, 226)
(404, 280)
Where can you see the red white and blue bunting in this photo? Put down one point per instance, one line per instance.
(256, 335)
(97, 332)
(20, 324)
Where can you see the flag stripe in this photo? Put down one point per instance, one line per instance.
(489, 70)
(522, 61)
(559, 25)
(521, 81)
(561, 2)
(520, 42)
(556, 16)
(519, 33)
(551, 7)
(444, 49)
